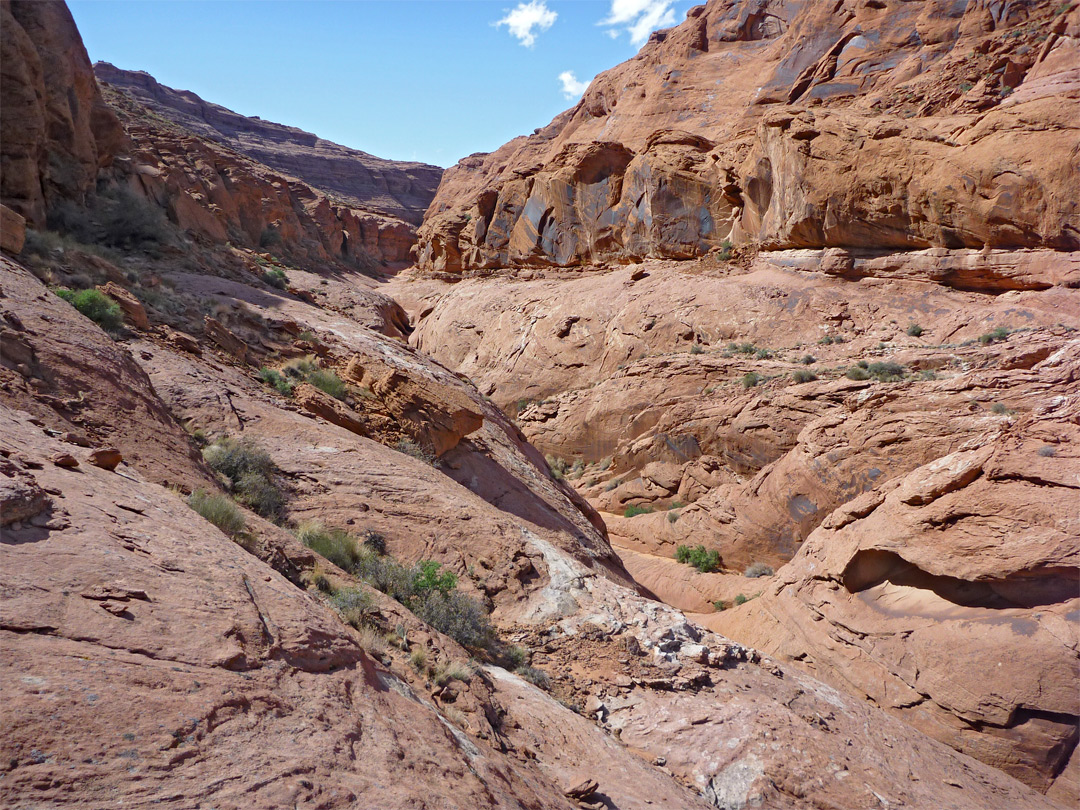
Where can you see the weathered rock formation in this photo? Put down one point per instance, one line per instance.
(396, 189)
(884, 125)
(58, 133)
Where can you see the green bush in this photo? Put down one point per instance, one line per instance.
(758, 569)
(329, 382)
(763, 354)
(219, 510)
(927, 374)
(808, 360)
(696, 349)
(672, 517)
(719, 604)
(726, 248)
(886, 372)
(96, 306)
(276, 277)
(335, 545)
(116, 218)
(999, 408)
(704, 560)
(857, 373)
(353, 604)
(249, 473)
(803, 375)
(558, 466)
(741, 599)
(276, 380)
(537, 677)
(751, 379)
(914, 330)
(994, 336)
(375, 542)
(426, 577)
(635, 510)
(269, 237)
(457, 615)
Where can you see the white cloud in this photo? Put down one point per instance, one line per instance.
(571, 87)
(528, 16)
(640, 17)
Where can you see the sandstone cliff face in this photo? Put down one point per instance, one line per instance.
(57, 131)
(881, 125)
(397, 189)
(221, 195)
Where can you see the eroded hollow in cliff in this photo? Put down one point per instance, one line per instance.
(899, 584)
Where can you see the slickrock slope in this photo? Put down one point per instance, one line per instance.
(876, 125)
(641, 381)
(912, 593)
(398, 189)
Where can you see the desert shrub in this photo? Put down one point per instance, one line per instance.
(857, 373)
(914, 330)
(886, 372)
(453, 671)
(514, 656)
(719, 604)
(827, 340)
(672, 517)
(300, 367)
(741, 599)
(726, 248)
(427, 577)
(249, 473)
(537, 677)
(696, 349)
(96, 306)
(276, 380)
(803, 375)
(385, 574)
(418, 659)
(704, 560)
(335, 545)
(751, 379)
(1047, 451)
(457, 615)
(269, 237)
(758, 569)
(808, 360)
(411, 448)
(558, 466)
(927, 374)
(129, 221)
(635, 510)
(353, 604)
(219, 510)
(994, 336)
(276, 277)
(746, 348)
(329, 382)
(999, 408)
(117, 218)
(375, 542)
(762, 354)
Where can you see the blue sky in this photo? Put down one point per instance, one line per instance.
(430, 80)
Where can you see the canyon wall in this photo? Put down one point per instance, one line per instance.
(881, 126)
